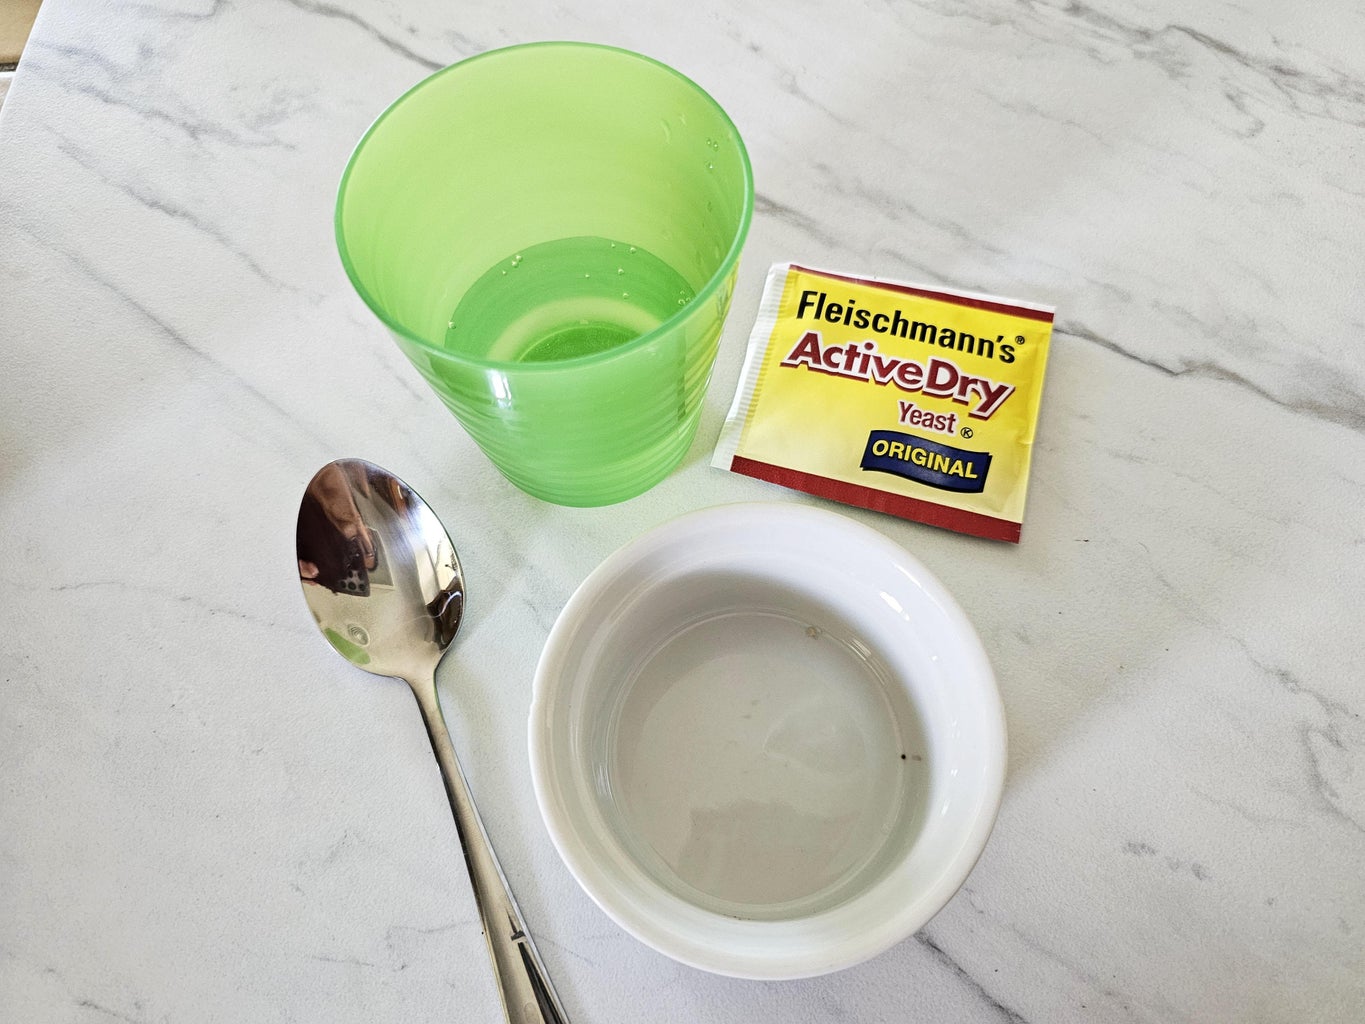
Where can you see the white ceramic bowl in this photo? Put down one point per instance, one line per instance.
(766, 741)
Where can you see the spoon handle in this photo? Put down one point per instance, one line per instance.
(527, 995)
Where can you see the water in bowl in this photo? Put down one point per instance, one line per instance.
(563, 299)
(765, 765)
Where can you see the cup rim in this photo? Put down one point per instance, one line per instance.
(758, 949)
(727, 264)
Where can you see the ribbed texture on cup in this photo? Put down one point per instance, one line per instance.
(587, 432)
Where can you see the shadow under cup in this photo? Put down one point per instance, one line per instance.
(551, 232)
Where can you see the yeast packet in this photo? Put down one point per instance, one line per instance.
(916, 401)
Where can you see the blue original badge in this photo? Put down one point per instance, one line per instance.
(928, 462)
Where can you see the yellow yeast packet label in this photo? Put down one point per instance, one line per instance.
(912, 400)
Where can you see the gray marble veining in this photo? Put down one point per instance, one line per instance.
(1177, 638)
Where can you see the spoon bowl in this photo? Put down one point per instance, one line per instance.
(384, 583)
(394, 558)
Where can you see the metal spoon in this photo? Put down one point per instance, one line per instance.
(382, 579)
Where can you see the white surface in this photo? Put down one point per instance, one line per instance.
(766, 740)
(206, 816)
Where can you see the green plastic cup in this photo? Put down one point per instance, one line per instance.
(551, 232)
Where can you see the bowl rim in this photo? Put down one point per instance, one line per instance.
(753, 962)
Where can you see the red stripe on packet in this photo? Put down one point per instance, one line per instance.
(973, 523)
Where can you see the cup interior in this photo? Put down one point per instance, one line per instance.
(462, 184)
(765, 741)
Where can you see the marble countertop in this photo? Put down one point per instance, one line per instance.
(206, 816)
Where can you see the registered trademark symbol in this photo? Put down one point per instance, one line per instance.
(1019, 339)
(967, 431)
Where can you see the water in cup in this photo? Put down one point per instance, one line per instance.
(564, 299)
